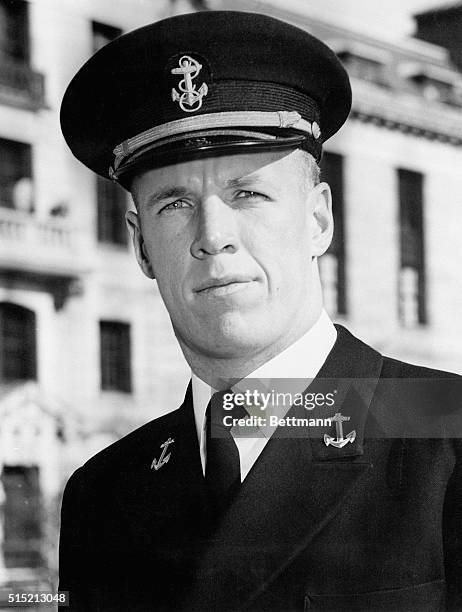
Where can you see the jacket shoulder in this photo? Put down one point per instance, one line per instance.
(394, 368)
(127, 451)
(360, 355)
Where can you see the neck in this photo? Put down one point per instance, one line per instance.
(221, 373)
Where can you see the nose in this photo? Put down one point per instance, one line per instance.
(216, 229)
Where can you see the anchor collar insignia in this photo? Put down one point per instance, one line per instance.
(164, 458)
(339, 441)
(187, 86)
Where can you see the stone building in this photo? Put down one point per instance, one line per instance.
(393, 274)
(82, 333)
(86, 348)
(442, 25)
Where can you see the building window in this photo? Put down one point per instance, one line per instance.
(332, 263)
(17, 343)
(412, 303)
(111, 198)
(15, 175)
(20, 85)
(434, 83)
(102, 34)
(22, 516)
(115, 356)
(14, 31)
(112, 204)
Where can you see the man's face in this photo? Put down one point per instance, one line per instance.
(231, 241)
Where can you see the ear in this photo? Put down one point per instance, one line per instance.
(133, 225)
(322, 219)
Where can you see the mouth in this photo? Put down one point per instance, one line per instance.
(223, 285)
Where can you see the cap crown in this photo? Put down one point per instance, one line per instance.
(248, 62)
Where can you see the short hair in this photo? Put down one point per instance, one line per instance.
(310, 172)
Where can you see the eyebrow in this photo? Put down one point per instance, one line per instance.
(166, 193)
(175, 192)
(244, 182)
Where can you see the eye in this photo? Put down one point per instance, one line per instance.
(251, 195)
(176, 205)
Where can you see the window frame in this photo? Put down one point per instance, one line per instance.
(27, 342)
(115, 360)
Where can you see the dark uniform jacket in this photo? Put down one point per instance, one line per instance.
(375, 525)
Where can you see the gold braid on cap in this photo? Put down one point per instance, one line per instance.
(224, 120)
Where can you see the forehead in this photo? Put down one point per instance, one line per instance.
(270, 166)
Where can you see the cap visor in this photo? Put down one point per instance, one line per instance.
(204, 145)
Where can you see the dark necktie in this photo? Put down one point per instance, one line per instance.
(222, 468)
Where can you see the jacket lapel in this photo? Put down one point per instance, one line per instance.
(293, 491)
(162, 505)
(352, 369)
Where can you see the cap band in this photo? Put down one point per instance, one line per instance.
(224, 120)
(189, 137)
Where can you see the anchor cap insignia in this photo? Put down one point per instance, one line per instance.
(188, 97)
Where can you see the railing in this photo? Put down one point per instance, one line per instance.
(22, 228)
(20, 85)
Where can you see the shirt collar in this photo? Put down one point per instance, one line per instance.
(301, 360)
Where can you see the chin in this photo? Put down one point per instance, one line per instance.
(234, 336)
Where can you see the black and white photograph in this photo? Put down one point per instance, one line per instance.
(230, 305)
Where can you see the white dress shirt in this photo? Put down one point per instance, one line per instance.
(301, 360)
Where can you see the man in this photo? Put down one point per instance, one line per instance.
(214, 121)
